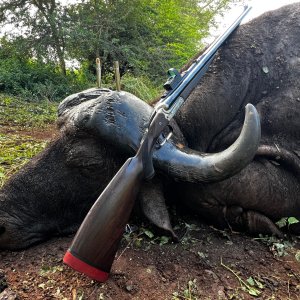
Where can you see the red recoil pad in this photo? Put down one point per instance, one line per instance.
(82, 267)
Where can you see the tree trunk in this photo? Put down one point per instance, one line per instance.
(58, 38)
(61, 59)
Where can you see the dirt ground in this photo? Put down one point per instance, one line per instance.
(46, 133)
(206, 264)
(209, 264)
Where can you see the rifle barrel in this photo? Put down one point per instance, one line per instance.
(202, 62)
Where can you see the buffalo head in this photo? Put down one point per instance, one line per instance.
(99, 129)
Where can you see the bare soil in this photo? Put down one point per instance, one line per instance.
(46, 133)
(206, 264)
(152, 271)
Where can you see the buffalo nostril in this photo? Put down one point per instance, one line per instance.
(2, 229)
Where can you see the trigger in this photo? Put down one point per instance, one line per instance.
(164, 137)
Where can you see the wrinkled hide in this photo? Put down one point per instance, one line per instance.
(91, 147)
(53, 192)
(99, 129)
(260, 64)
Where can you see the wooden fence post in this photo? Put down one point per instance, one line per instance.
(98, 70)
(117, 76)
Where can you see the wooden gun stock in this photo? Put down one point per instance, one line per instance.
(94, 247)
(96, 242)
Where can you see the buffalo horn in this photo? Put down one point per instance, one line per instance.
(191, 166)
(121, 119)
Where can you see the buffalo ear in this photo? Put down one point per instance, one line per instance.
(154, 207)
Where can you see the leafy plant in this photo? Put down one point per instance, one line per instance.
(144, 237)
(146, 40)
(287, 221)
(278, 247)
(34, 81)
(252, 286)
(187, 239)
(187, 293)
(46, 270)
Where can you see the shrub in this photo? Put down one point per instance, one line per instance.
(34, 81)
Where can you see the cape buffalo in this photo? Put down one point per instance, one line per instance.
(99, 129)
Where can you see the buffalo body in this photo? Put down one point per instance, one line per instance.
(99, 129)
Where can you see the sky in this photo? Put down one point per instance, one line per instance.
(258, 8)
(261, 6)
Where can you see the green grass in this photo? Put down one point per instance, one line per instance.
(16, 112)
(15, 151)
(141, 87)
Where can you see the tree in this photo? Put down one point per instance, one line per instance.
(40, 27)
(105, 29)
(146, 36)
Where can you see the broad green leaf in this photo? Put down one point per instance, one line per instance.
(292, 220)
(254, 292)
(149, 233)
(250, 280)
(164, 240)
(282, 222)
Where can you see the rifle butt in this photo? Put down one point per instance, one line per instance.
(94, 246)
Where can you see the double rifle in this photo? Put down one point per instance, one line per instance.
(94, 247)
